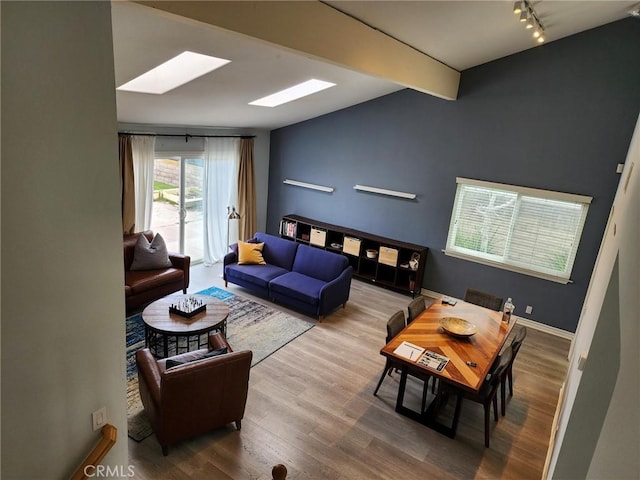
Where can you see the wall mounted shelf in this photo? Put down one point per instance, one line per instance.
(311, 186)
(384, 191)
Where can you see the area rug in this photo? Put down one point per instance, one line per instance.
(250, 326)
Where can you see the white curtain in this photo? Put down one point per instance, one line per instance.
(143, 149)
(220, 189)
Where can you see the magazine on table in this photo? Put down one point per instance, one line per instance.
(433, 360)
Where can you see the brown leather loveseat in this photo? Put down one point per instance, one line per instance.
(197, 396)
(144, 286)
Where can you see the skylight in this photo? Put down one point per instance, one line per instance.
(174, 72)
(292, 93)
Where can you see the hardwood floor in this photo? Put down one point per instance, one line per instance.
(311, 407)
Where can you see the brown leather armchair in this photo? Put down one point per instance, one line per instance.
(144, 286)
(195, 397)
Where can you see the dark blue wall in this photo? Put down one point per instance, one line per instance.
(557, 117)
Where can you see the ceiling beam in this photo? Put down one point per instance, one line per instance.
(316, 29)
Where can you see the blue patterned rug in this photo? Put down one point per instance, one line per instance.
(250, 326)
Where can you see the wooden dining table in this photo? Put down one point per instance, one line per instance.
(470, 357)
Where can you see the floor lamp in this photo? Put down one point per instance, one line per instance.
(231, 215)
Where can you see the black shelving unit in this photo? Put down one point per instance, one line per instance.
(396, 265)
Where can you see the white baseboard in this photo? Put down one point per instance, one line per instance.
(527, 322)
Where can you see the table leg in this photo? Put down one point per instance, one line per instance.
(429, 416)
(432, 411)
(203, 340)
(151, 341)
(401, 388)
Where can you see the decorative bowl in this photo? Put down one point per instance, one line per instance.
(372, 253)
(458, 327)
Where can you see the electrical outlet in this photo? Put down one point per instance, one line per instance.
(582, 360)
(528, 310)
(99, 418)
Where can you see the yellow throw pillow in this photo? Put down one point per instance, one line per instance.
(250, 253)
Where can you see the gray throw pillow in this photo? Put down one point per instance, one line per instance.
(212, 353)
(150, 256)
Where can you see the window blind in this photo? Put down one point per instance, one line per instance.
(522, 229)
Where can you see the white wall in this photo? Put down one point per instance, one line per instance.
(617, 452)
(63, 337)
(617, 421)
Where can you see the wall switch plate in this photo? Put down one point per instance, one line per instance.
(99, 418)
(528, 310)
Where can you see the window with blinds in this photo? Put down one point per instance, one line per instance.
(522, 229)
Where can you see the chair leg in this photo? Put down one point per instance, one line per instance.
(238, 424)
(503, 398)
(425, 389)
(384, 372)
(510, 377)
(495, 407)
(165, 450)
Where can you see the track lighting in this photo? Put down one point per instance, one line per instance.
(537, 32)
(529, 17)
(518, 7)
(530, 22)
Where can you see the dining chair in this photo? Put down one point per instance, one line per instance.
(483, 299)
(395, 325)
(519, 333)
(487, 395)
(415, 308)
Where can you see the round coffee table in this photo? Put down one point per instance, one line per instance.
(161, 325)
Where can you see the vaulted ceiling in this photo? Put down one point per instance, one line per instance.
(367, 48)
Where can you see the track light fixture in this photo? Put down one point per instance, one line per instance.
(518, 7)
(530, 19)
(530, 22)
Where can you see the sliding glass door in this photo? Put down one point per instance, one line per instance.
(177, 203)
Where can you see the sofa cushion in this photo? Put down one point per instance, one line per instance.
(277, 251)
(150, 256)
(143, 280)
(250, 253)
(296, 285)
(259, 275)
(319, 264)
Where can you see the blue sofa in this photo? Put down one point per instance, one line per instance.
(306, 278)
